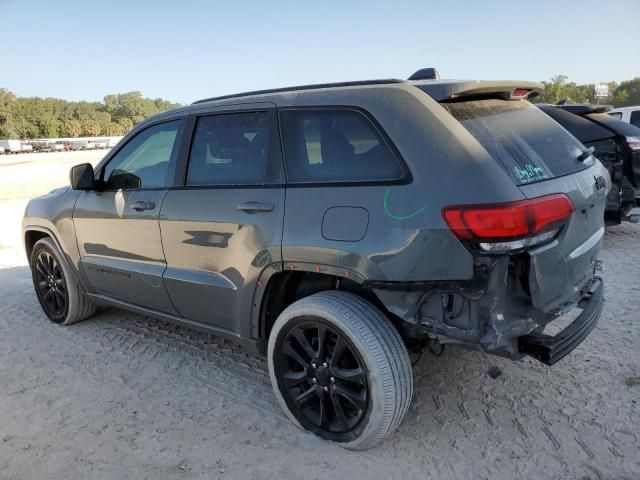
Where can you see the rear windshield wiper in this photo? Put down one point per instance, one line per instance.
(586, 154)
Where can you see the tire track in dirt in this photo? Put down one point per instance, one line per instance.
(135, 340)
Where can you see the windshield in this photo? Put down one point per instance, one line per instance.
(529, 145)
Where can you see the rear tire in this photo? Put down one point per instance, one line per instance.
(340, 369)
(59, 293)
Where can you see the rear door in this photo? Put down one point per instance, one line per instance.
(341, 171)
(117, 225)
(222, 223)
(542, 158)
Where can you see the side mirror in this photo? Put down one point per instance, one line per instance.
(81, 177)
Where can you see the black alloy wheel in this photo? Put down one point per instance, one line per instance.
(323, 378)
(51, 286)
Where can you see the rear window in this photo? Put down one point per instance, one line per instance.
(618, 126)
(583, 128)
(529, 145)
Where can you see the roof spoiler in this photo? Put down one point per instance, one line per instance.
(451, 90)
(583, 108)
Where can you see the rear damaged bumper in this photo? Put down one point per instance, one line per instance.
(493, 312)
(550, 349)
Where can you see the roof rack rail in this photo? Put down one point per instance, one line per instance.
(301, 87)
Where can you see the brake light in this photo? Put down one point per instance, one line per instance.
(634, 143)
(520, 92)
(510, 226)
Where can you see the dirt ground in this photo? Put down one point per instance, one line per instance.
(122, 396)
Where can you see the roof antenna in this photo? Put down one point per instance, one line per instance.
(429, 73)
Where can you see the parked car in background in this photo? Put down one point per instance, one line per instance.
(27, 147)
(616, 144)
(11, 146)
(43, 145)
(82, 144)
(100, 144)
(1, 150)
(422, 212)
(63, 145)
(627, 114)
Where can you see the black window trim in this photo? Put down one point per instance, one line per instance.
(173, 160)
(404, 179)
(275, 155)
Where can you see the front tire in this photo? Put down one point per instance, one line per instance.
(59, 293)
(339, 369)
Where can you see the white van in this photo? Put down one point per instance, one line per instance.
(11, 146)
(627, 114)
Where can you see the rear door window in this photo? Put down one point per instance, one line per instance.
(341, 145)
(635, 118)
(527, 143)
(231, 149)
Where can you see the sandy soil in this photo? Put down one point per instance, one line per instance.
(122, 396)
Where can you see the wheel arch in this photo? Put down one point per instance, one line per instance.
(34, 233)
(281, 288)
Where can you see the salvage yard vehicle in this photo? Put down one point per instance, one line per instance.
(616, 144)
(627, 114)
(82, 144)
(63, 145)
(43, 146)
(11, 146)
(334, 227)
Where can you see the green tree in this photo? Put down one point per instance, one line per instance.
(72, 128)
(46, 117)
(125, 123)
(115, 130)
(7, 99)
(90, 128)
(49, 126)
(627, 93)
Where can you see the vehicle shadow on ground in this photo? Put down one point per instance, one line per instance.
(450, 391)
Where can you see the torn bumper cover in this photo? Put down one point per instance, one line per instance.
(493, 312)
(550, 349)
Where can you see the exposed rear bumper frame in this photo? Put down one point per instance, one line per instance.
(551, 349)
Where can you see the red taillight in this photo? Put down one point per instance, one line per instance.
(520, 92)
(508, 221)
(634, 143)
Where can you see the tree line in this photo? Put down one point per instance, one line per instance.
(33, 117)
(623, 94)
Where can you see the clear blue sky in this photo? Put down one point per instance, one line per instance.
(183, 50)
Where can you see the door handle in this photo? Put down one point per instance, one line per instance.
(142, 205)
(252, 207)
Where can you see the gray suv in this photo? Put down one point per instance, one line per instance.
(334, 228)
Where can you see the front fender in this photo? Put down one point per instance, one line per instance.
(52, 215)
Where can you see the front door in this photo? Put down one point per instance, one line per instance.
(223, 227)
(117, 224)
